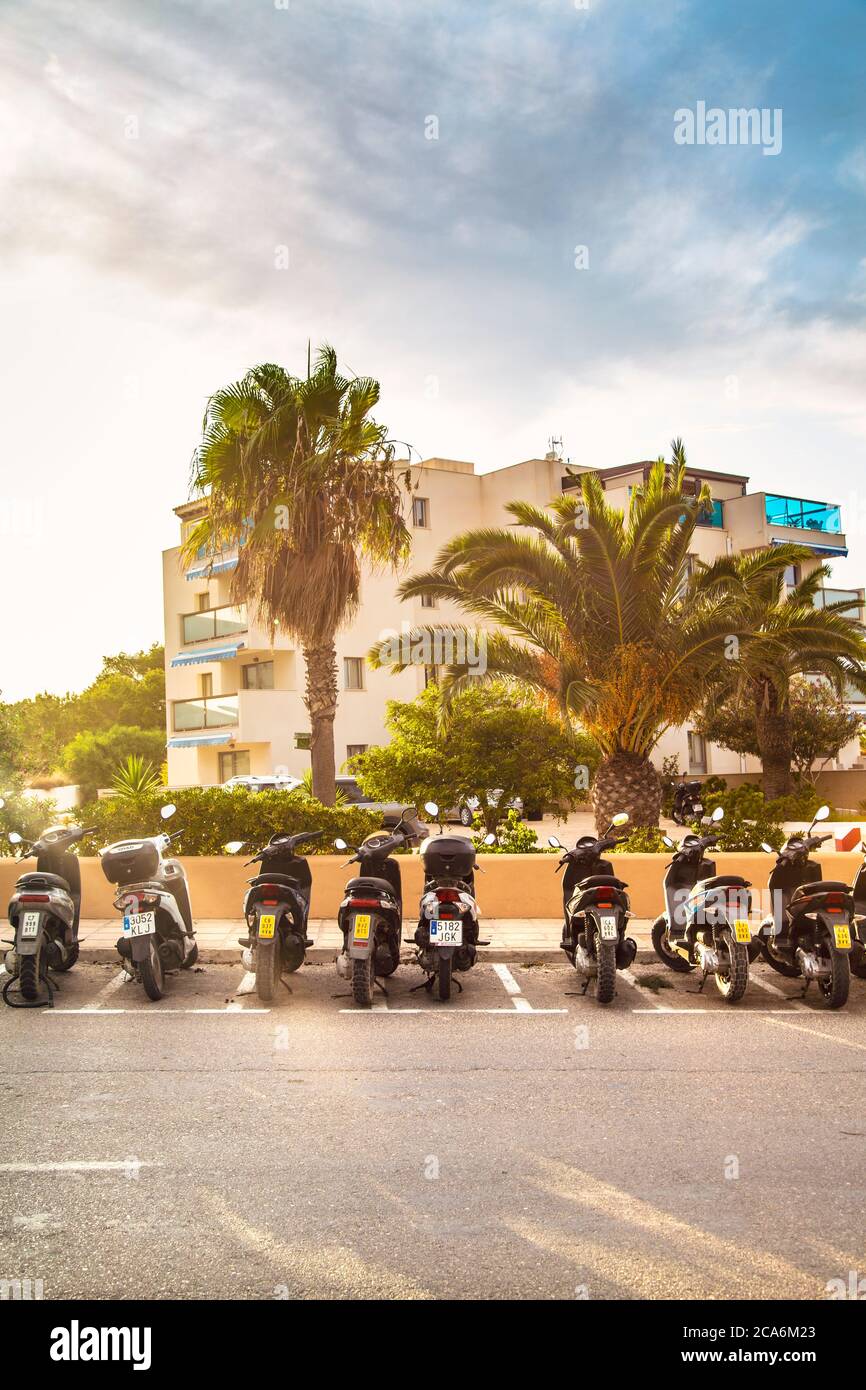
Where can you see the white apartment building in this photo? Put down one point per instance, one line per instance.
(234, 699)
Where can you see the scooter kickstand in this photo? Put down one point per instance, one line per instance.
(378, 985)
(425, 984)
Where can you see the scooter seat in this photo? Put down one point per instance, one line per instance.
(721, 881)
(601, 881)
(42, 880)
(282, 881)
(824, 885)
(372, 885)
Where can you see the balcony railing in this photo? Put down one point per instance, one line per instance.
(213, 622)
(851, 597)
(213, 712)
(712, 515)
(802, 515)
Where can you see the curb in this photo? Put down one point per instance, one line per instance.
(321, 955)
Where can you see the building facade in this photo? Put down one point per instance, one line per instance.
(234, 695)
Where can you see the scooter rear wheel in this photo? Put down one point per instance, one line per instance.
(362, 981)
(671, 958)
(443, 978)
(605, 985)
(267, 969)
(151, 971)
(28, 975)
(732, 986)
(836, 988)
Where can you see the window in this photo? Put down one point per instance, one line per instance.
(428, 601)
(302, 741)
(234, 765)
(258, 676)
(421, 512)
(697, 753)
(353, 672)
(203, 602)
(353, 749)
(206, 682)
(792, 575)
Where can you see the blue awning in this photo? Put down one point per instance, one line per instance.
(214, 567)
(225, 653)
(818, 549)
(195, 740)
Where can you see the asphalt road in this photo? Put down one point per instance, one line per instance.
(504, 1145)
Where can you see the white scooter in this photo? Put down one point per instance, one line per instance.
(158, 933)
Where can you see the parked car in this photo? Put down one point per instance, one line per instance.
(263, 784)
(467, 809)
(390, 811)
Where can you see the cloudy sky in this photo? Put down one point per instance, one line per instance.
(161, 160)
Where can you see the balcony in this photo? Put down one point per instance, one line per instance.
(802, 515)
(213, 712)
(712, 515)
(209, 623)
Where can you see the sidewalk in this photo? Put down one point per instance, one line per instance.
(515, 939)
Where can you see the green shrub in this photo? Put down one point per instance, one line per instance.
(91, 760)
(801, 805)
(29, 815)
(210, 817)
(748, 819)
(514, 836)
(643, 839)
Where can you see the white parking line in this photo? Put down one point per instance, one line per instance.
(815, 1033)
(779, 993)
(723, 1010)
(434, 1012)
(122, 1165)
(145, 1012)
(111, 988)
(511, 986)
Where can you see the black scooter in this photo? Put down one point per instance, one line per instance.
(688, 803)
(706, 919)
(371, 914)
(276, 908)
(596, 911)
(811, 930)
(44, 912)
(446, 938)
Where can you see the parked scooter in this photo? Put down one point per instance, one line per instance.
(688, 803)
(44, 913)
(596, 911)
(447, 934)
(811, 930)
(277, 909)
(706, 921)
(158, 934)
(858, 935)
(371, 913)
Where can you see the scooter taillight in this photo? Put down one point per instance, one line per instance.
(834, 900)
(447, 895)
(599, 903)
(364, 902)
(33, 898)
(270, 902)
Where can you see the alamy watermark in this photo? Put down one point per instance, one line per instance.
(434, 647)
(736, 126)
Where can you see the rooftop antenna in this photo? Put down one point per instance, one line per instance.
(554, 448)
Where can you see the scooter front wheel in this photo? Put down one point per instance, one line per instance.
(733, 983)
(151, 971)
(662, 947)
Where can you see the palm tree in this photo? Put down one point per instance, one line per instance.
(790, 637)
(597, 610)
(299, 471)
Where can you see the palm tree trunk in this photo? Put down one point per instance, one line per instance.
(775, 744)
(626, 782)
(321, 701)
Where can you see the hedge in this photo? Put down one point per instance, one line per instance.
(210, 817)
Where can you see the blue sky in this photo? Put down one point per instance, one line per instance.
(154, 155)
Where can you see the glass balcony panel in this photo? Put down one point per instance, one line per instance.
(801, 514)
(214, 622)
(197, 627)
(229, 620)
(854, 609)
(215, 712)
(713, 515)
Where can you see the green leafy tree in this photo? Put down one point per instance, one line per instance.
(300, 469)
(596, 608)
(91, 759)
(486, 738)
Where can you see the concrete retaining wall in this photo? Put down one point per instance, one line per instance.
(511, 886)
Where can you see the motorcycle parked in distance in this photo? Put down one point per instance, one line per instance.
(44, 913)
(811, 929)
(596, 911)
(688, 804)
(277, 909)
(446, 938)
(158, 934)
(706, 919)
(371, 914)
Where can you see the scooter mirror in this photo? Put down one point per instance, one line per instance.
(666, 840)
(340, 844)
(621, 818)
(234, 846)
(718, 814)
(553, 842)
(768, 849)
(14, 837)
(822, 813)
(168, 810)
(490, 839)
(431, 808)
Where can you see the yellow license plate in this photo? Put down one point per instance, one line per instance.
(267, 922)
(743, 932)
(362, 927)
(843, 938)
